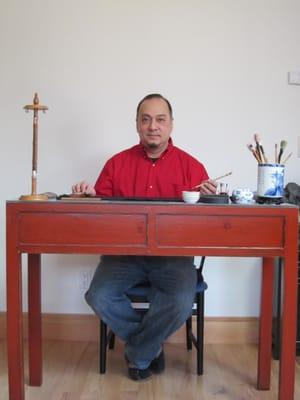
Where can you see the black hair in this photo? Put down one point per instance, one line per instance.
(154, 96)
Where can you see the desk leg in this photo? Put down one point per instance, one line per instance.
(288, 329)
(265, 326)
(14, 323)
(34, 320)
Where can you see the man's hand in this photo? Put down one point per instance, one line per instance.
(84, 188)
(208, 187)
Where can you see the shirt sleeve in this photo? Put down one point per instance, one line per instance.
(104, 182)
(198, 173)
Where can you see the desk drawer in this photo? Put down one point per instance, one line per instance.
(77, 229)
(228, 231)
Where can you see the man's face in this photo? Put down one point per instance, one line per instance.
(154, 124)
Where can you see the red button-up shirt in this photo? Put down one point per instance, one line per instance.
(131, 173)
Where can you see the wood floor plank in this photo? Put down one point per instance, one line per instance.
(71, 373)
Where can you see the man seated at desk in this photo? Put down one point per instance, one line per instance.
(152, 168)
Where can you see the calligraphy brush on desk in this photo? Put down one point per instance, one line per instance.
(283, 145)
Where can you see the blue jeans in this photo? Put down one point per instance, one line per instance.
(173, 284)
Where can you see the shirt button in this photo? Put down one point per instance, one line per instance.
(153, 165)
(150, 187)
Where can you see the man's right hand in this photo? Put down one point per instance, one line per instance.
(208, 187)
(84, 188)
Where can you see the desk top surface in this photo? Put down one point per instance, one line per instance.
(150, 202)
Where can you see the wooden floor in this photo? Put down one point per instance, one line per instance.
(71, 373)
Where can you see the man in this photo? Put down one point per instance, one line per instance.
(153, 168)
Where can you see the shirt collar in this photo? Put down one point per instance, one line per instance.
(168, 149)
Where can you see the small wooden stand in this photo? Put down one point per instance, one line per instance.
(36, 107)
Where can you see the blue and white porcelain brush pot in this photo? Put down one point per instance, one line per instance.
(270, 180)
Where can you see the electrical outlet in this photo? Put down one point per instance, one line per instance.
(85, 277)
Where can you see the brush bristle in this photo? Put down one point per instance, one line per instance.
(283, 144)
(256, 138)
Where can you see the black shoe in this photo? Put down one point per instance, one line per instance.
(137, 374)
(157, 365)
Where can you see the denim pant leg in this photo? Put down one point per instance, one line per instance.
(107, 293)
(173, 281)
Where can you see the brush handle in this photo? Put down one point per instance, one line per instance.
(254, 152)
(263, 154)
(287, 158)
(256, 156)
(279, 155)
(260, 153)
(257, 150)
(222, 176)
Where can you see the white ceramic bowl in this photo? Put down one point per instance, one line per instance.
(190, 196)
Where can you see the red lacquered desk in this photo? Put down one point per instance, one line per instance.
(149, 229)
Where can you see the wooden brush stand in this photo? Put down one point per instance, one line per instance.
(35, 107)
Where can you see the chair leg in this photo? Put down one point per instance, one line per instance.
(103, 345)
(200, 332)
(111, 340)
(188, 329)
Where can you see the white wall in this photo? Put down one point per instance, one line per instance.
(222, 64)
